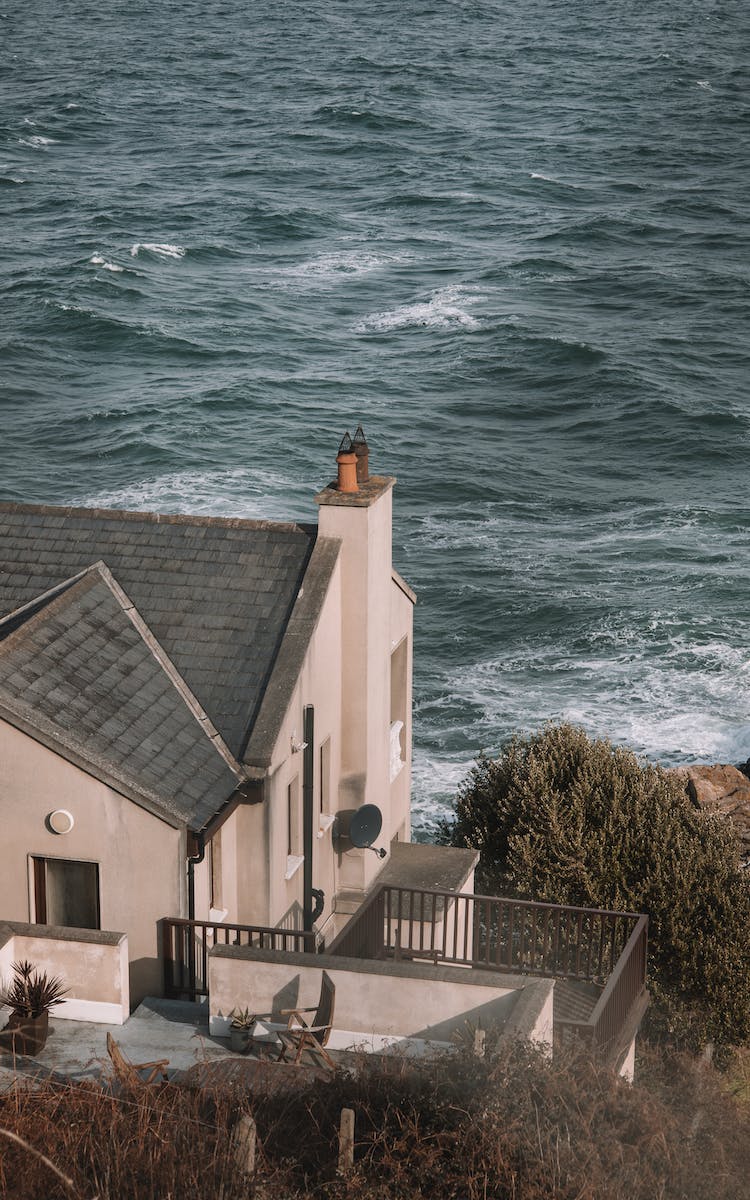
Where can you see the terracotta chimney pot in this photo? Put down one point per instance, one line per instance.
(362, 450)
(347, 464)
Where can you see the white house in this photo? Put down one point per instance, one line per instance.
(193, 708)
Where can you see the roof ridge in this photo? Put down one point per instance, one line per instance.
(83, 581)
(18, 617)
(156, 518)
(189, 699)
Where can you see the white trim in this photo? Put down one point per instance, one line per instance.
(326, 821)
(293, 864)
(98, 1011)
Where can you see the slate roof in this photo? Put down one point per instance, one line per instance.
(83, 672)
(216, 593)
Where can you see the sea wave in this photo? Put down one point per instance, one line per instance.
(37, 141)
(160, 249)
(224, 491)
(338, 265)
(447, 308)
(98, 260)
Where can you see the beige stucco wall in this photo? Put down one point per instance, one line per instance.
(141, 858)
(93, 966)
(391, 999)
(346, 676)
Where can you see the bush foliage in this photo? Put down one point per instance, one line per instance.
(562, 818)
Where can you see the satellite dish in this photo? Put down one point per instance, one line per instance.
(365, 826)
(359, 827)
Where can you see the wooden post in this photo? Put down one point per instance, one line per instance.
(346, 1141)
(479, 1036)
(243, 1145)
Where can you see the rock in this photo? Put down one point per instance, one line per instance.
(721, 789)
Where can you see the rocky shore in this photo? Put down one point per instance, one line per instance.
(724, 789)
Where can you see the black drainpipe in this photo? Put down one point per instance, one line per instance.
(196, 854)
(308, 773)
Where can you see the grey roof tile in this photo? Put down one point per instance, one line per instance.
(216, 594)
(147, 737)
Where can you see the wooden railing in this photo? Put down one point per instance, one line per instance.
(523, 937)
(488, 932)
(185, 947)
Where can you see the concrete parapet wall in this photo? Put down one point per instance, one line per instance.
(386, 999)
(92, 963)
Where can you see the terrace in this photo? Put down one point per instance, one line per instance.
(439, 945)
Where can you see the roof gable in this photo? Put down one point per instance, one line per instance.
(80, 668)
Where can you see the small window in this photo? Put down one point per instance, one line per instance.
(325, 777)
(217, 891)
(292, 818)
(66, 893)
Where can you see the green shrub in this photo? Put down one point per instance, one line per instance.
(562, 818)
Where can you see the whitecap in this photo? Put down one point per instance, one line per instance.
(229, 491)
(162, 249)
(28, 121)
(99, 261)
(72, 105)
(37, 142)
(445, 309)
(704, 83)
(339, 265)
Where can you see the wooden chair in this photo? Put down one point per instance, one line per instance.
(129, 1072)
(299, 1037)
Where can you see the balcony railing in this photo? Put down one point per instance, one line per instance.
(522, 937)
(185, 947)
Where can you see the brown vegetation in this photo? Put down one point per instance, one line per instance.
(511, 1127)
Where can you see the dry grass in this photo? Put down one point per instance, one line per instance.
(509, 1127)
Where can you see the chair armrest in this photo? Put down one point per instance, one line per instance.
(285, 1011)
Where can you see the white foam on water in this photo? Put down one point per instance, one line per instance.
(37, 142)
(72, 105)
(229, 492)
(446, 309)
(99, 261)
(161, 249)
(28, 121)
(704, 83)
(339, 265)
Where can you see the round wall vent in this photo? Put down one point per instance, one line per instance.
(60, 821)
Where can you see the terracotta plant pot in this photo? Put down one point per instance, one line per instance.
(25, 1035)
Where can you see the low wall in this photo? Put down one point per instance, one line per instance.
(376, 1002)
(92, 963)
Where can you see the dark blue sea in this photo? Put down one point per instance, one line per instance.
(511, 239)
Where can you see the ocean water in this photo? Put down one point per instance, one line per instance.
(511, 239)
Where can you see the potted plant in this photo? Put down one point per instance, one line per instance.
(31, 995)
(241, 1029)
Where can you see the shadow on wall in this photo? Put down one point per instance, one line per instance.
(492, 1015)
(146, 979)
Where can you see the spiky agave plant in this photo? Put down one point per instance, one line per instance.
(32, 992)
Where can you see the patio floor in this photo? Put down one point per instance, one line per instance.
(173, 1029)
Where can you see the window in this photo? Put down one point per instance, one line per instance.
(294, 856)
(292, 818)
(66, 893)
(216, 879)
(399, 668)
(325, 777)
